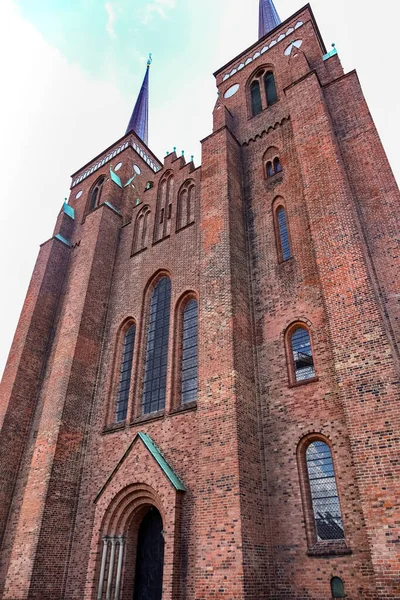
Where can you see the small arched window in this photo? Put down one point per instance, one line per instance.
(185, 211)
(189, 352)
(256, 105)
(270, 88)
(303, 362)
(141, 233)
(125, 374)
(95, 194)
(277, 165)
(324, 494)
(271, 161)
(283, 233)
(155, 375)
(337, 588)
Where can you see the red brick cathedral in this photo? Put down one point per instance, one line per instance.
(201, 401)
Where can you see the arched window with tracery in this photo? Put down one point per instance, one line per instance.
(141, 232)
(125, 373)
(96, 193)
(189, 352)
(323, 491)
(301, 353)
(262, 89)
(155, 374)
(162, 226)
(186, 202)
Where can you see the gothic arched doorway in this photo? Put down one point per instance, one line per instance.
(149, 558)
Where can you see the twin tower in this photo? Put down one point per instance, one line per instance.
(201, 401)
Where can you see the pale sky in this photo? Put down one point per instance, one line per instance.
(71, 71)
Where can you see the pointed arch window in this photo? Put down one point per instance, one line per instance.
(303, 362)
(162, 226)
(270, 88)
(189, 361)
(323, 490)
(155, 375)
(185, 208)
(125, 374)
(96, 193)
(141, 232)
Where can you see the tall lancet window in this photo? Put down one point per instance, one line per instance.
(155, 375)
(270, 88)
(141, 233)
(256, 105)
(185, 209)
(189, 352)
(95, 194)
(283, 234)
(125, 374)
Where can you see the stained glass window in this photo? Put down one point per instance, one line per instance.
(324, 495)
(155, 376)
(189, 352)
(125, 375)
(302, 355)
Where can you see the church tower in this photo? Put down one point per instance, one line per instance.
(202, 397)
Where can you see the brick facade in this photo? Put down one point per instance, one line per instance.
(232, 487)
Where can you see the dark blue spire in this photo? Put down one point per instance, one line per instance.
(268, 18)
(139, 121)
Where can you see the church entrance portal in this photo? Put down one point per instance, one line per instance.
(149, 558)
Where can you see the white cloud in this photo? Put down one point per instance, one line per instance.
(157, 7)
(111, 20)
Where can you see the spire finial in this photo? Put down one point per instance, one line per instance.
(268, 18)
(139, 121)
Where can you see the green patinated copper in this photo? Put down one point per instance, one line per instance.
(158, 457)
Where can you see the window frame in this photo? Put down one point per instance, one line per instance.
(298, 324)
(115, 373)
(89, 208)
(183, 301)
(313, 542)
(259, 76)
(140, 414)
(278, 204)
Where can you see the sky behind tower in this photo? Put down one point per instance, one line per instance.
(73, 69)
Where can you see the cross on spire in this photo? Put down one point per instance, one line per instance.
(268, 18)
(139, 121)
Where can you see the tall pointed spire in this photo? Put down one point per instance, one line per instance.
(268, 18)
(139, 121)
